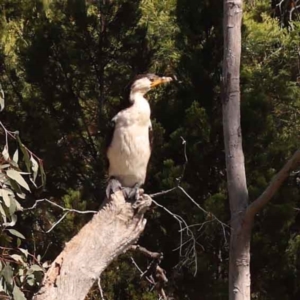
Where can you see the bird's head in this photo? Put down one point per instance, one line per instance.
(145, 82)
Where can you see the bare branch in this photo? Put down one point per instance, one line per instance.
(61, 207)
(153, 271)
(100, 289)
(141, 272)
(163, 192)
(183, 230)
(274, 185)
(57, 222)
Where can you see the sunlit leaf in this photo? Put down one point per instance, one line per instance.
(5, 195)
(5, 153)
(25, 154)
(13, 206)
(16, 156)
(16, 233)
(4, 166)
(35, 268)
(30, 279)
(19, 258)
(7, 273)
(15, 175)
(24, 251)
(3, 214)
(34, 167)
(43, 174)
(2, 101)
(46, 265)
(13, 221)
(18, 294)
(21, 195)
(15, 186)
(19, 207)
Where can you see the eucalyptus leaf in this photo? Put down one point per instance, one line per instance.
(15, 175)
(24, 251)
(2, 101)
(43, 174)
(3, 214)
(15, 186)
(13, 206)
(18, 294)
(5, 196)
(5, 153)
(19, 207)
(21, 195)
(16, 156)
(16, 233)
(19, 258)
(35, 268)
(7, 273)
(25, 153)
(34, 167)
(30, 279)
(12, 222)
(4, 166)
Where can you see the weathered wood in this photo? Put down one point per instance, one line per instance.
(111, 232)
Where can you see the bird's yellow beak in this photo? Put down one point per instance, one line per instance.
(161, 80)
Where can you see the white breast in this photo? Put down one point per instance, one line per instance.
(129, 152)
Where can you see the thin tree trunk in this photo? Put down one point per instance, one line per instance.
(111, 232)
(239, 265)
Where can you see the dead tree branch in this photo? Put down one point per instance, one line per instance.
(111, 232)
(274, 185)
(154, 273)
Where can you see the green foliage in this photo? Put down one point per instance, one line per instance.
(64, 69)
(18, 270)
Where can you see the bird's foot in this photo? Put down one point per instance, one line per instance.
(132, 193)
(113, 186)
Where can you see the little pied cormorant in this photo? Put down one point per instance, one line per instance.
(129, 150)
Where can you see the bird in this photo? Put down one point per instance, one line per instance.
(129, 150)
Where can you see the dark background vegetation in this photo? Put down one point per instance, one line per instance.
(64, 68)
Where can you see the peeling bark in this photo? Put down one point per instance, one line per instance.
(111, 232)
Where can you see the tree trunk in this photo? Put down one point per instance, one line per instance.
(239, 265)
(111, 232)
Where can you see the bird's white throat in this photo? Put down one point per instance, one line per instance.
(139, 101)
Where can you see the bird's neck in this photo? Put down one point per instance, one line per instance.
(139, 101)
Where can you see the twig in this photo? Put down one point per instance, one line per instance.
(163, 192)
(139, 269)
(186, 229)
(153, 270)
(61, 207)
(100, 289)
(191, 248)
(14, 135)
(67, 210)
(57, 222)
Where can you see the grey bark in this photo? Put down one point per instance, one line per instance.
(239, 272)
(242, 214)
(111, 232)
